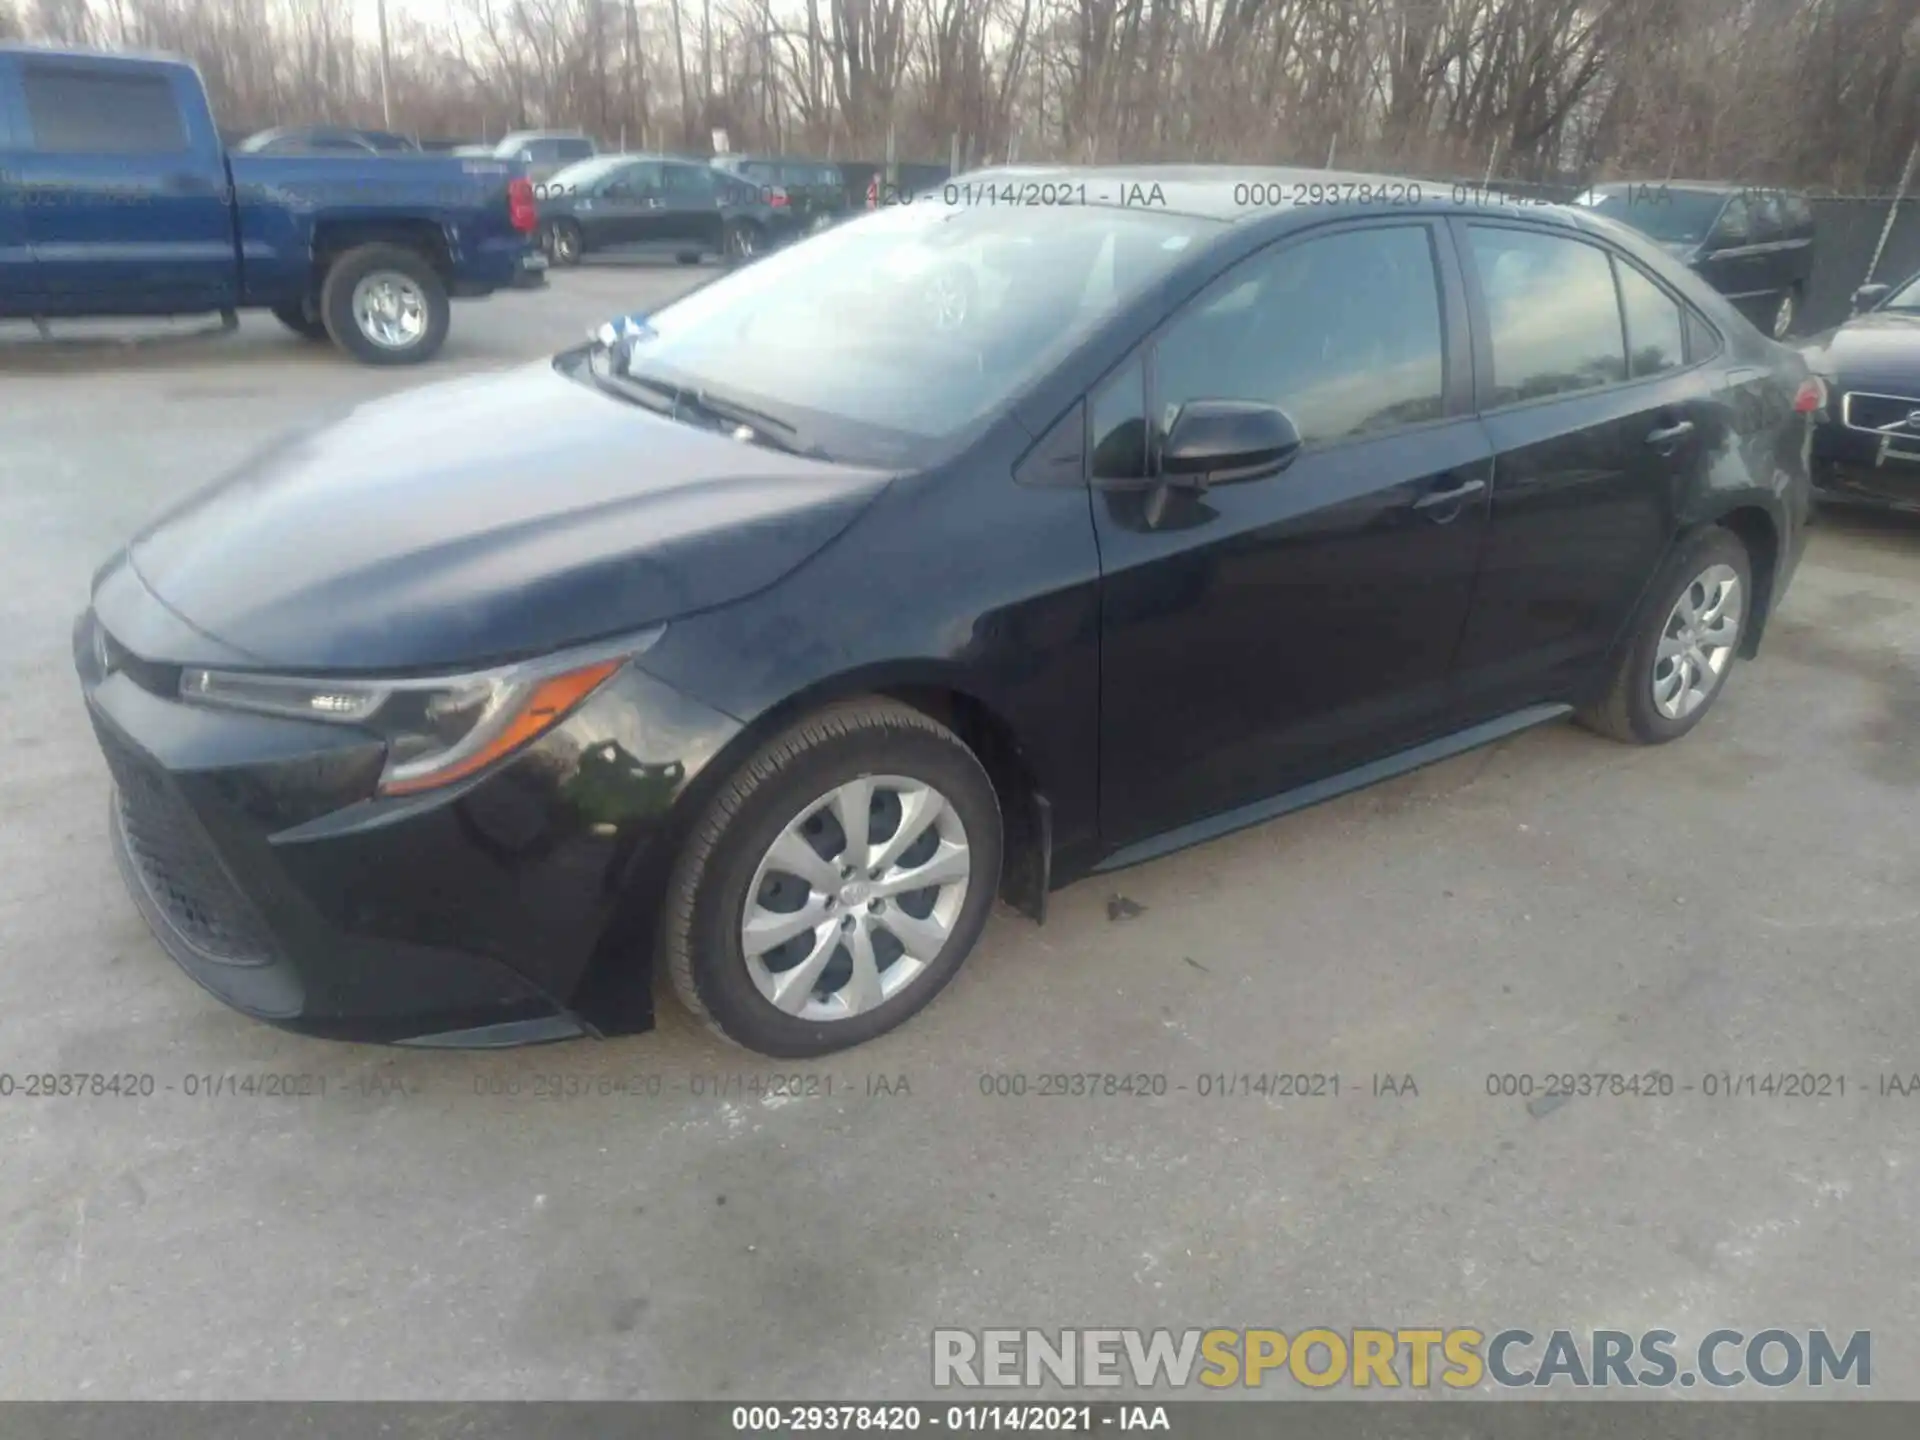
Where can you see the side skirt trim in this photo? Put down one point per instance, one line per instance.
(1358, 778)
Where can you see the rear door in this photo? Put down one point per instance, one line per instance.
(126, 188)
(1259, 635)
(625, 209)
(690, 197)
(16, 260)
(1598, 415)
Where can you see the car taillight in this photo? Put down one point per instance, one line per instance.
(873, 192)
(1811, 396)
(778, 198)
(521, 211)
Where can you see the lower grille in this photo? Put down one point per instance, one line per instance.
(1892, 413)
(178, 869)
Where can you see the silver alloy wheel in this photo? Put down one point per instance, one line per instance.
(1697, 642)
(856, 898)
(1783, 316)
(740, 243)
(390, 309)
(566, 249)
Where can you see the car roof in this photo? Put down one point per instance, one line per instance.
(1213, 191)
(1704, 187)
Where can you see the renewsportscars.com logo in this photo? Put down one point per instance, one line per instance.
(1416, 1358)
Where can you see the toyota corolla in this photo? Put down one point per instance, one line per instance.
(983, 543)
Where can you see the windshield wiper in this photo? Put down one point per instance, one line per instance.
(727, 412)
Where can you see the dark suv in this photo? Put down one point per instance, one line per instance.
(815, 192)
(1754, 245)
(655, 202)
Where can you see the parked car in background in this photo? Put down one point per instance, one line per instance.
(769, 642)
(814, 190)
(1866, 447)
(129, 205)
(544, 153)
(660, 203)
(1754, 245)
(325, 140)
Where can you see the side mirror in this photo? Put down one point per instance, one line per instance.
(1215, 442)
(1868, 296)
(1729, 237)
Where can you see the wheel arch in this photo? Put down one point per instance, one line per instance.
(1754, 526)
(614, 992)
(334, 238)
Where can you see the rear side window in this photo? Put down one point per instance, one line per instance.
(1341, 332)
(1799, 214)
(689, 180)
(572, 149)
(1552, 314)
(94, 112)
(1656, 332)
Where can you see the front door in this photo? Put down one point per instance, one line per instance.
(126, 209)
(626, 210)
(1259, 635)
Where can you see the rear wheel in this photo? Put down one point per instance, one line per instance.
(385, 305)
(1678, 660)
(836, 883)
(296, 319)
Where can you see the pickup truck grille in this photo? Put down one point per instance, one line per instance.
(176, 866)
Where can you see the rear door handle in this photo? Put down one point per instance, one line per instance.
(1669, 435)
(1439, 499)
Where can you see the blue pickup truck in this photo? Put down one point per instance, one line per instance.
(117, 198)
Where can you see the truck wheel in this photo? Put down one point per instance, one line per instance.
(385, 305)
(296, 319)
(1785, 313)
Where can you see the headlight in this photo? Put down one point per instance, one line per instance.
(437, 730)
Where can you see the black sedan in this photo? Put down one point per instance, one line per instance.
(657, 203)
(771, 639)
(1866, 447)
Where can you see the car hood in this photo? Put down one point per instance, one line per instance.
(1871, 352)
(485, 519)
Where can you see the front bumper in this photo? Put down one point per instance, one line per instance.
(514, 907)
(1864, 468)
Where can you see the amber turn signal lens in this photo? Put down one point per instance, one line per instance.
(545, 703)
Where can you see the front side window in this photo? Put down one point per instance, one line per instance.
(1552, 315)
(689, 180)
(100, 112)
(1342, 332)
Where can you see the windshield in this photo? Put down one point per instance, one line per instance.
(583, 173)
(912, 324)
(1904, 297)
(1676, 217)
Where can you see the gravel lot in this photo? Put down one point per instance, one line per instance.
(1745, 901)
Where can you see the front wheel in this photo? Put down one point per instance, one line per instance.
(565, 243)
(739, 242)
(836, 883)
(1677, 662)
(385, 305)
(1785, 313)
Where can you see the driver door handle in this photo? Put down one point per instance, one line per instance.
(1459, 491)
(1670, 435)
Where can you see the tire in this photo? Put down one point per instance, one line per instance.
(1785, 313)
(1630, 711)
(702, 941)
(565, 243)
(411, 273)
(740, 241)
(296, 319)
